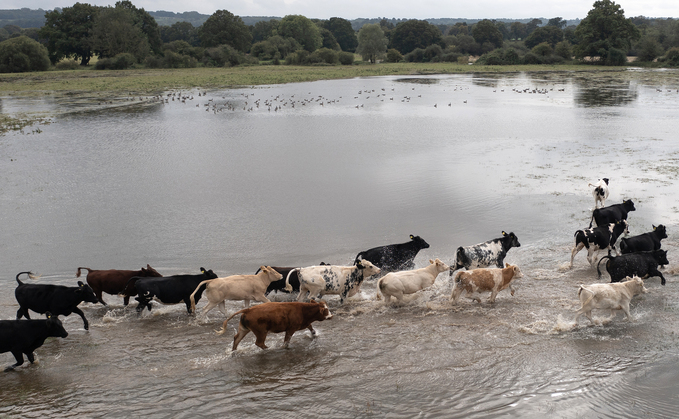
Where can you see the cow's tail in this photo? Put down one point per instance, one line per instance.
(288, 287)
(380, 287)
(582, 287)
(591, 221)
(31, 275)
(193, 295)
(223, 329)
(623, 245)
(77, 274)
(123, 292)
(598, 270)
(459, 255)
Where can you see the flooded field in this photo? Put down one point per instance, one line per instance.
(292, 175)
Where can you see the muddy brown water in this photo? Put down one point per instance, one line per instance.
(226, 182)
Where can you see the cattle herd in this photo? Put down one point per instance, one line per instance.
(639, 257)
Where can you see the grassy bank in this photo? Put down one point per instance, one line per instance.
(154, 81)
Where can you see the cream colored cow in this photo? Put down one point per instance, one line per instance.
(236, 287)
(613, 296)
(397, 284)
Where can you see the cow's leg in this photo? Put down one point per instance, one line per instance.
(80, 313)
(23, 312)
(288, 336)
(592, 255)
(100, 297)
(210, 305)
(246, 303)
(187, 301)
(625, 308)
(313, 331)
(19, 356)
(30, 355)
(387, 298)
(578, 247)
(222, 308)
(239, 336)
(302, 293)
(126, 300)
(656, 272)
(262, 299)
(261, 337)
(493, 294)
(457, 291)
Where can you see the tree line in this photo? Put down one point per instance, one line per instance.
(123, 36)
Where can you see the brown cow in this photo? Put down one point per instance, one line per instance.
(278, 317)
(114, 281)
(491, 280)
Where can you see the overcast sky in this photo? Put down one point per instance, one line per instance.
(352, 9)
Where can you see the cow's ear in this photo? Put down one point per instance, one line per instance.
(202, 269)
(431, 261)
(80, 284)
(359, 265)
(263, 268)
(48, 314)
(504, 234)
(412, 237)
(654, 227)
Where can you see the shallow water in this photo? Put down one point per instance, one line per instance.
(354, 164)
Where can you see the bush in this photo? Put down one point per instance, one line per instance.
(531, 58)
(615, 56)
(672, 57)
(121, 61)
(324, 55)
(22, 54)
(500, 57)
(563, 50)
(432, 52)
(297, 57)
(393, 56)
(450, 57)
(346, 58)
(223, 56)
(175, 60)
(415, 56)
(542, 49)
(67, 65)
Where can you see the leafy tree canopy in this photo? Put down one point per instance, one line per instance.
(412, 34)
(144, 21)
(116, 32)
(550, 34)
(487, 31)
(67, 32)
(223, 28)
(604, 32)
(303, 30)
(343, 33)
(371, 42)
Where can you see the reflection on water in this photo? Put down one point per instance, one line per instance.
(611, 95)
(294, 174)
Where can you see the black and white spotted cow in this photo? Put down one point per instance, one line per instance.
(484, 254)
(600, 192)
(598, 238)
(616, 212)
(331, 279)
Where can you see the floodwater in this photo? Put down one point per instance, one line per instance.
(296, 174)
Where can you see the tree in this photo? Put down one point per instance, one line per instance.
(329, 40)
(413, 34)
(180, 31)
(605, 32)
(517, 30)
(486, 31)
(22, 54)
(302, 30)
(223, 28)
(371, 42)
(144, 21)
(557, 22)
(343, 33)
(68, 32)
(264, 29)
(115, 32)
(563, 50)
(549, 34)
(532, 25)
(648, 49)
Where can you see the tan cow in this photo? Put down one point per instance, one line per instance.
(397, 284)
(613, 296)
(236, 287)
(491, 280)
(278, 317)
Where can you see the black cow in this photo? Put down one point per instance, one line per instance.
(394, 257)
(57, 299)
(485, 254)
(616, 212)
(25, 336)
(598, 238)
(644, 242)
(641, 264)
(171, 289)
(280, 284)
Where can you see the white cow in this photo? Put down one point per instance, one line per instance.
(600, 192)
(613, 296)
(491, 280)
(397, 284)
(236, 287)
(331, 279)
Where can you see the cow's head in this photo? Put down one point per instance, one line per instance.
(86, 294)
(323, 311)
(149, 272)
(54, 326)
(628, 205)
(661, 255)
(270, 273)
(621, 227)
(419, 242)
(605, 180)
(510, 240)
(208, 274)
(368, 268)
(636, 284)
(516, 271)
(660, 231)
(440, 266)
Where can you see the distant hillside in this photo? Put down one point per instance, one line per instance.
(27, 18)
